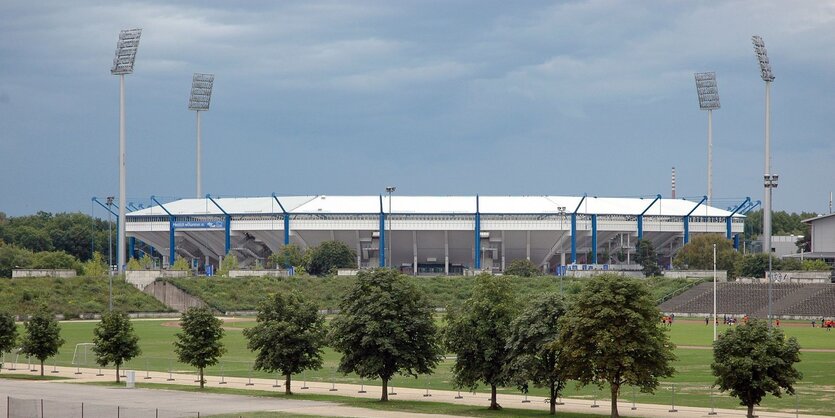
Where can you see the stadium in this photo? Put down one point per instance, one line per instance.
(430, 234)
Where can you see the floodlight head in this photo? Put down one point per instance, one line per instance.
(708, 90)
(126, 51)
(762, 57)
(391, 189)
(201, 91)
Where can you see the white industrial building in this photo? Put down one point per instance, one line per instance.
(428, 234)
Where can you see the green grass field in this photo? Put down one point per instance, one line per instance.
(692, 381)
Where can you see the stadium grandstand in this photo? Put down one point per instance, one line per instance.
(428, 234)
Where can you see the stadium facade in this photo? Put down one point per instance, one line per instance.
(429, 234)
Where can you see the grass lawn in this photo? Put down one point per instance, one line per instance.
(19, 376)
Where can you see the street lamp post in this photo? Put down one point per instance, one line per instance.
(110, 251)
(770, 180)
(561, 210)
(123, 64)
(389, 190)
(708, 92)
(714, 292)
(201, 95)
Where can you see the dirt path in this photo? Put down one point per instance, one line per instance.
(176, 324)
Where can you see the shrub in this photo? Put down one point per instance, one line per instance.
(523, 268)
(330, 255)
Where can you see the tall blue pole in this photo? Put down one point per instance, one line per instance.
(171, 242)
(382, 239)
(286, 229)
(573, 238)
(477, 241)
(594, 239)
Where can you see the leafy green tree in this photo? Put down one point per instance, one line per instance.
(647, 258)
(522, 268)
(288, 255)
(751, 361)
(180, 264)
(755, 265)
(96, 266)
(288, 337)
(230, 262)
(815, 265)
(8, 333)
(611, 334)
(385, 327)
(329, 256)
(200, 342)
(115, 340)
(31, 238)
(534, 351)
(55, 260)
(43, 336)
(698, 253)
(478, 333)
(12, 257)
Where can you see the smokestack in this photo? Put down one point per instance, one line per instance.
(674, 185)
(830, 202)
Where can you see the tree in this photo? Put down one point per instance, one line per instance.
(180, 264)
(288, 255)
(330, 255)
(755, 265)
(55, 260)
(12, 257)
(478, 333)
(751, 361)
(385, 327)
(115, 340)
(230, 262)
(199, 344)
(8, 333)
(533, 345)
(647, 257)
(43, 336)
(288, 337)
(698, 253)
(523, 268)
(611, 334)
(96, 266)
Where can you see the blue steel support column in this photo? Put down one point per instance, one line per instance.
(729, 219)
(172, 242)
(286, 219)
(131, 248)
(736, 242)
(687, 220)
(477, 243)
(640, 217)
(227, 226)
(382, 239)
(573, 238)
(594, 239)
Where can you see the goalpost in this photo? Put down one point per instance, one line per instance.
(83, 355)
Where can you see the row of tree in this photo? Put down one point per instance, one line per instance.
(76, 234)
(609, 335)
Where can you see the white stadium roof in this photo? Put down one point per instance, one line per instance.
(434, 205)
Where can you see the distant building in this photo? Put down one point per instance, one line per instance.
(823, 238)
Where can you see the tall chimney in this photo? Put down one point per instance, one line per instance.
(674, 182)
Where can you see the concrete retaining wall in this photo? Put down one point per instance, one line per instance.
(19, 273)
(792, 277)
(259, 273)
(721, 275)
(172, 296)
(142, 278)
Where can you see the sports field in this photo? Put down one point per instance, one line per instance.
(691, 382)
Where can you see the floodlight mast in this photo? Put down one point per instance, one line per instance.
(123, 64)
(201, 95)
(708, 92)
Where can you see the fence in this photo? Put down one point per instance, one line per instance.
(42, 408)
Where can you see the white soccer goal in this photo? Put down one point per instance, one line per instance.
(83, 355)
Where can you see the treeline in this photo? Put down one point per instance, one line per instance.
(46, 240)
(782, 223)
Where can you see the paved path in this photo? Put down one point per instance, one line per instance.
(506, 400)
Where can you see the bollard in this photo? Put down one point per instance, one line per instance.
(673, 400)
(170, 371)
(362, 385)
(459, 395)
(633, 399)
(304, 384)
(147, 370)
(712, 403)
(222, 378)
(276, 385)
(249, 382)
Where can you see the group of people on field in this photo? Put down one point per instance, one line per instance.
(825, 323)
(667, 320)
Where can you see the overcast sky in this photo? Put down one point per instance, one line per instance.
(435, 97)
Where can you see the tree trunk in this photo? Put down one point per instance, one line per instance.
(750, 411)
(553, 398)
(287, 390)
(615, 389)
(117, 372)
(385, 396)
(201, 378)
(41, 367)
(493, 404)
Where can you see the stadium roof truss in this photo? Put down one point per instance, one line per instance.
(429, 234)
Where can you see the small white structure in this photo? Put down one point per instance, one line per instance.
(19, 273)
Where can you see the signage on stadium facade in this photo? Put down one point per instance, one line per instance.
(198, 224)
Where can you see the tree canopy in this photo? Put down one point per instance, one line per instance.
(646, 256)
(288, 337)
(115, 340)
(199, 344)
(385, 327)
(522, 267)
(478, 333)
(753, 360)
(698, 253)
(329, 256)
(534, 350)
(611, 334)
(43, 336)
(8, 333)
